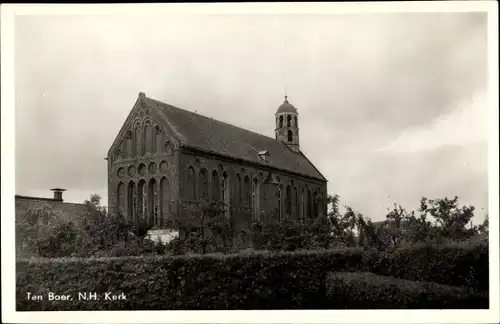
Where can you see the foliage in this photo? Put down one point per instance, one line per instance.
(361, 290)
(241, 281)
(459, 264)
(45, 232)
(35, 229)
(484, 227)
(208, 230)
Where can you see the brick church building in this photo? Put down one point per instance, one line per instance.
(166, 162)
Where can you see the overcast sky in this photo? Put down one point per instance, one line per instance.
(392, 107)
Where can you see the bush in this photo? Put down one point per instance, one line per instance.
(369, 291)
(252, 280)
(247, 281)
(464, 264)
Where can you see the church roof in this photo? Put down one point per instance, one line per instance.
(286, 107)
(210, 135)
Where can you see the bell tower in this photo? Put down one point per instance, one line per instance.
(287, 125)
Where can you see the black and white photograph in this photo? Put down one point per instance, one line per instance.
(287, 162)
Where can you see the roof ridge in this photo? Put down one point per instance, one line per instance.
(210, 118)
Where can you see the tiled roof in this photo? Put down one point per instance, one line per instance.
(208, 134)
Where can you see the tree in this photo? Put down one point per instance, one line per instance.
(451, 219)
(484, 227)
(35, 228)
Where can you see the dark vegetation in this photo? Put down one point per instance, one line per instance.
(431, 258)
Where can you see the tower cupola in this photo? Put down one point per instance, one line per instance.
(287, 125)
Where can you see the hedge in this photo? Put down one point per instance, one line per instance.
(286, 280)
(464, 265)
(223, 282)
(369, 291)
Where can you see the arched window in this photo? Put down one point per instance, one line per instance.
(120, 198)
(165, 199)
(215, 186)
(132, 202)
(204, 184)
(146, 136)
(288, 121)
(296, 203)
(281, 121)
(246, 191)
(290, 135)
(225, 193)
(315, 205)
(135, 140)
(128, 145)
(302, 206)
(280, 203)
(296, 121)
(153, 202)
(288, 199)
(309, 204)
(190, 184)
(141, 202)
(154, 139)
(255, 199)
(238, 189)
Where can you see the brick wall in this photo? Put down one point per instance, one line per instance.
(72, 211)
(268, 202)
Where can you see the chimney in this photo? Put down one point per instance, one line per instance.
(58, 193)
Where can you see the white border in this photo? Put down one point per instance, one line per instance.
(8, 13)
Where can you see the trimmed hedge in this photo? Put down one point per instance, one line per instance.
(369, 291)
(464, 265)
(286, 280)
(224, 282)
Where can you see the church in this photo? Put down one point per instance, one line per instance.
(167, 162)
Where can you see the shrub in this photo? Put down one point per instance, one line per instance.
(247, 281)
(251, 280)
(464, 264)
(369, 291)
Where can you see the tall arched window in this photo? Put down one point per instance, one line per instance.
(146, 136)
(255, 199)
(303, 205)
(288, 200)
(128, 145)
(280, 203)
(153, 203)
(164, 199)
(288, 121)
(204, 184)
(120, 198)
(238, 189)
(290, 135)
(141, 202)
(296, 203)
(315, 205)
(154, 139)
(296, 121)
(309, 204)
(135, 140)
(281, 121)
(225, 193)
(215, 186)
(247, 191)
(132, 202)
(190, 184)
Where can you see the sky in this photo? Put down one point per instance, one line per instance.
(392, 106)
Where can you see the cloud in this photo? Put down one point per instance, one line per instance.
(465, 125)
(360, 82)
